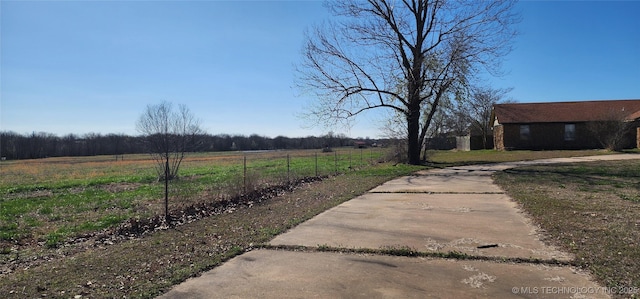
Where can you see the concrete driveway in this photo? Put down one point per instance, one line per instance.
(456, 209)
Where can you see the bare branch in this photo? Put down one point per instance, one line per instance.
(169, 134)
(401, 55)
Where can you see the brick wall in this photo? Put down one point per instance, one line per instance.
(498, 138)
(549, 136)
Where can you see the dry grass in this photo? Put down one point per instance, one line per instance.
(589, 209)
(69, 171)
(449, 158)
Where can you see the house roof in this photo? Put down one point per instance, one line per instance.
(566, 112)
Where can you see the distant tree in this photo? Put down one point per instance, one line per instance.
(401, 55)
(480, 106)
(281, 142)
(93, 143)
(611, 129)
(9, 145)
(169, 134)
(69, 145)
(40, 145)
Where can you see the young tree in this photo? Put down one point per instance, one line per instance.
(480, 106)
(169, 134)
(611, 129)
(401, 55)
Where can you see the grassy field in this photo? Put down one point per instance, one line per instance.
(148, 265)
(47, 200)
(57, 215)
(589, 209)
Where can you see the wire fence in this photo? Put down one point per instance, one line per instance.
(250, 171)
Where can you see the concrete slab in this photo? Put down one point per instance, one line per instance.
(428, 223)
(609, 157)
(614, 157)
(286, 274)
(440, 182)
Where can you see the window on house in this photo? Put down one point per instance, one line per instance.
(570, 132)
(525, 132)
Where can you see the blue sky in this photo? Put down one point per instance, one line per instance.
(93, 66)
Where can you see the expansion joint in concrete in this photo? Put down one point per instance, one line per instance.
(409, 252)
(431, 192)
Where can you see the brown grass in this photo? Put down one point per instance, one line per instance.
(589, 209)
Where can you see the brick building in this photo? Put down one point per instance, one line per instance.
(566, 125)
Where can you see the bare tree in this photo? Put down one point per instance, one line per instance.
(169, 135)
(400, 55)
(447, 118)
(610, 131)
(480, 106)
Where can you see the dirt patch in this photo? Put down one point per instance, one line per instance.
(29, 194)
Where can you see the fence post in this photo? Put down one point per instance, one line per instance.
(166, 191)
(335, 160)
(244, 174)
(316, 164)
(288, 169)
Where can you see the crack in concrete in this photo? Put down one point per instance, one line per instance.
(407, 252)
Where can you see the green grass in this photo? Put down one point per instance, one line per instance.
(589, 209)
(49, 199)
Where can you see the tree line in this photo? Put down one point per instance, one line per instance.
(41, 144)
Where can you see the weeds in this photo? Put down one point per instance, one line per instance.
(53, 239)
(400, 251)
(324, 247)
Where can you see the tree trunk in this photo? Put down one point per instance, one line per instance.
(413, 140)
(432, 112)
(485, 134)
(166, 190)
